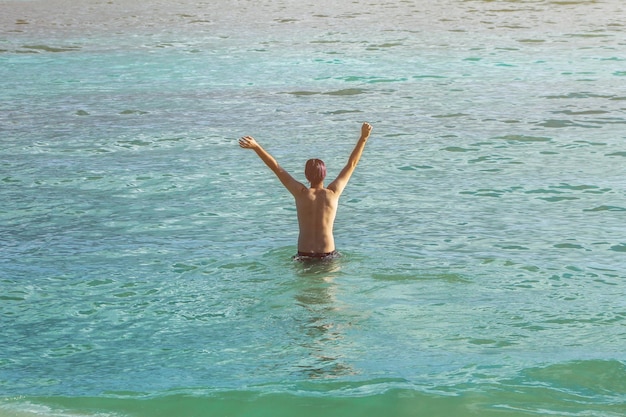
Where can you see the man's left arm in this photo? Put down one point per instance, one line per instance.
(342, 179)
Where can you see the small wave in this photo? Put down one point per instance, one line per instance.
(451, 115)
(383, 45)
(580, 95)
(324, 41)
(343, 92)
(557, 123)
(523, 138)
(414, 167)
(568, 246)
(513, 247)
(580, 113)
(386, 80)
(347, 92)
(584, 188)
(46, 48)
(587, 378)
(458, 149)
(11, 298)
(303, 93)
(446, 277)
(20, 408)
(429, 76)
(619, 248)
(557, 199)
(606, 208)
(335, 112)
(484, 193)
(129, 111)
(587, 35)
(597, 386)
(132, 143)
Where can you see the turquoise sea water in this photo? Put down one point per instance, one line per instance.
(145, 260)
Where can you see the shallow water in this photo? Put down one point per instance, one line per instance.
(145, 260)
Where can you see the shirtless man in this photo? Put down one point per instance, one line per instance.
(316, 206)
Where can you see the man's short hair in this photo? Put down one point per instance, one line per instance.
(315, 170)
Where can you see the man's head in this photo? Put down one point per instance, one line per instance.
(315, 171)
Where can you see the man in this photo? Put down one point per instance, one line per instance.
(316, 206)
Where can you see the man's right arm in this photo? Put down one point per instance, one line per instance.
(290, 183)
(340, 183)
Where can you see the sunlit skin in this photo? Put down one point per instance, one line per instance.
(316, 205)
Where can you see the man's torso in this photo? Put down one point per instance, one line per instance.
(317, 208)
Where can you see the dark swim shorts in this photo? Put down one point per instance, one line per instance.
(303, 256)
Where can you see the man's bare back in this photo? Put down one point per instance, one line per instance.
(316, 206)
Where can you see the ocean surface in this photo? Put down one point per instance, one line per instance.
(146, 260)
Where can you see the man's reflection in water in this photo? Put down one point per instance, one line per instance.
(323, 321)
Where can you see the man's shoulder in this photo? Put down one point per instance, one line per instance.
(331, 193)
(324, 191)
(328, 195)
(316, 193)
